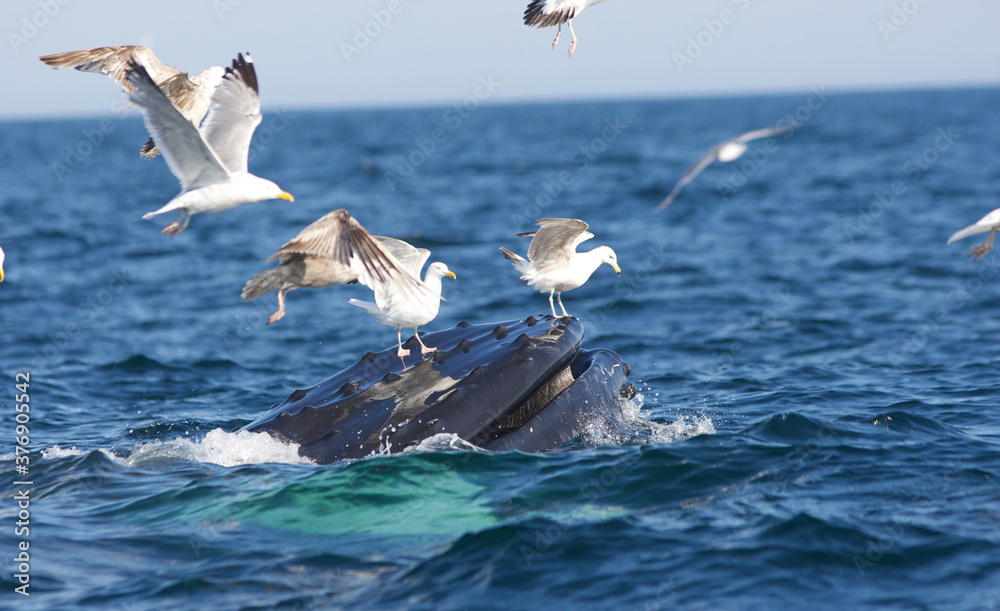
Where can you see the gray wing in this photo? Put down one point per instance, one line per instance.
(115, 61)
(410, 257)
(762, 133)
(187, 154)
(234, 115)
(690, 175)
(556, 240)
(404, 274)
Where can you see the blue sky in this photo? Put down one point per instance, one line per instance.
(309, 53)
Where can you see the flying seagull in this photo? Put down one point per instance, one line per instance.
(990, 223)
(336, 249)
(553, 265)
(210, 163)
(545, 13)
(397, 307)
(730, 150)
(191, 96)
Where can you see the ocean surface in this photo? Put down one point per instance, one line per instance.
(817, 423)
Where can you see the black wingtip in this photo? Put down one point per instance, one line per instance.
(533, 13)
(243, 69)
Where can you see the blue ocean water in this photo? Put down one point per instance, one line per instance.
(817, 417)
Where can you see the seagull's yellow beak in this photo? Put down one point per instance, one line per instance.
(448, 273)
(1, 274)
(285, 195)
(617, 271)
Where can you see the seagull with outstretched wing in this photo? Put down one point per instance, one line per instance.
(553, 265)
(395, 305)
(191, 95)
(729, 150)
(210, 163)
(333, 250)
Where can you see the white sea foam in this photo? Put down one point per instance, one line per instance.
(219, 447)
(56, 452)
(442, 442)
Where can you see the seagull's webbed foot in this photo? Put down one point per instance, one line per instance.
(572, 47)
(174, 229)
(276, 316)
(281, 308)
(402, 352)
(979, 250)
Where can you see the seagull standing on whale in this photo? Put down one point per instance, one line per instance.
(553, 265)
(729, 150)
(545, 13)
(210, 163)
(336, 249)
(990, 223)
(395, 306)
(191, 95)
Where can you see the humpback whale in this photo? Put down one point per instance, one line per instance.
(519, 385)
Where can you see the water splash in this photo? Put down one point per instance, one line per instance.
(637, 428)
(218, 447)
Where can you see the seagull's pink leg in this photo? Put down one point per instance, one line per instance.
(565, 313)
(552, 305)
(281, 308)
(423, 349)
(402, 351)
(556, 41)
(175, 228)
(572, 45)
(981, 249)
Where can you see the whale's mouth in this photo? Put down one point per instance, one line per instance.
(485, 384)
(531, 406)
